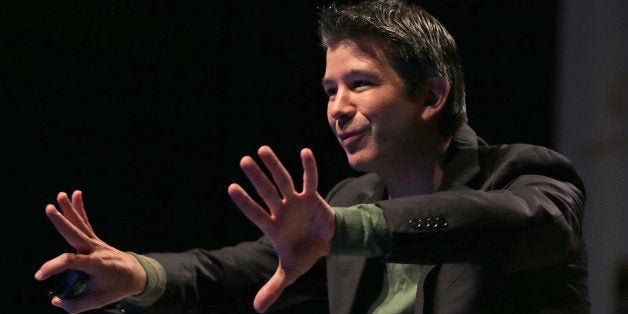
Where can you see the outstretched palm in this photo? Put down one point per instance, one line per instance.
(300, 225)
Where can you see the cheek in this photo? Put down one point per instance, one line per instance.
(330, 120)
(396, 119)
(328, 114)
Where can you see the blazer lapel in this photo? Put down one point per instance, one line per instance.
(351, 279)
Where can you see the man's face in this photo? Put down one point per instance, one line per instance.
(377, 124)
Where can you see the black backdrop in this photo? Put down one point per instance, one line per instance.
(147, 106)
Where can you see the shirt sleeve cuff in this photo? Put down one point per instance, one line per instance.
(360, 230)
(155, 283)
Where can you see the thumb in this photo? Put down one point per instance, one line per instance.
(271, 291)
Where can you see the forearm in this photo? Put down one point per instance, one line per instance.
(224, 280)
(533, 222)
(205, 279)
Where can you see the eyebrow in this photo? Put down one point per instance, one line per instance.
(351, 73)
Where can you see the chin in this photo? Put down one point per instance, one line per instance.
(358, 162)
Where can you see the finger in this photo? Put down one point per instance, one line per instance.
(52, 267)
(262, 184)
(65, 204)
(249, 207)
(62, 263)
(281, 176)
(70, 212)
(310, 171)
(75, 304)
(270, 292)
(79, 206)
(69, 305)
(74, 236)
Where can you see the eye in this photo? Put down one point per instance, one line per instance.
(360, 83)
(331, 91)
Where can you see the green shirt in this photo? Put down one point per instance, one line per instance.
(361, 230)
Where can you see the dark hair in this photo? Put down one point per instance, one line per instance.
(416, 45)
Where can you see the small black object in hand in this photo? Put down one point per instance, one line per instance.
(71, 285)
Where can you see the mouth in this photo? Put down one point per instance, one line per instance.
(350, 140)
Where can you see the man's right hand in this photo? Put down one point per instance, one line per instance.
(113, 274)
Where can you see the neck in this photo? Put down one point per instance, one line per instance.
(422, 180)
(420, 176)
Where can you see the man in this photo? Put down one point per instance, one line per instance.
(441, 221)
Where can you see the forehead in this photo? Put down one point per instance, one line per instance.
(356, 55)
(361, 47)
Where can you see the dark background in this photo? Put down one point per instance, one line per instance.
(147, 107)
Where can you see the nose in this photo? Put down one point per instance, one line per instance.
(341, 108)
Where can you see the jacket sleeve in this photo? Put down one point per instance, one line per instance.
(226, 280)
(526, 211)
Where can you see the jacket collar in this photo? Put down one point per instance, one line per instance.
(462, 162)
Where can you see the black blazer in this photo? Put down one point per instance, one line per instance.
(503, 234)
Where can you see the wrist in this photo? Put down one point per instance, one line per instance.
(138, 274)
(152, 278)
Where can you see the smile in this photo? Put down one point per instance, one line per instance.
(351, 141)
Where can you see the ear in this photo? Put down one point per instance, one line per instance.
(437, 90)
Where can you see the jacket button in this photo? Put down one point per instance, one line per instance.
(428, 223)
(416, 223)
